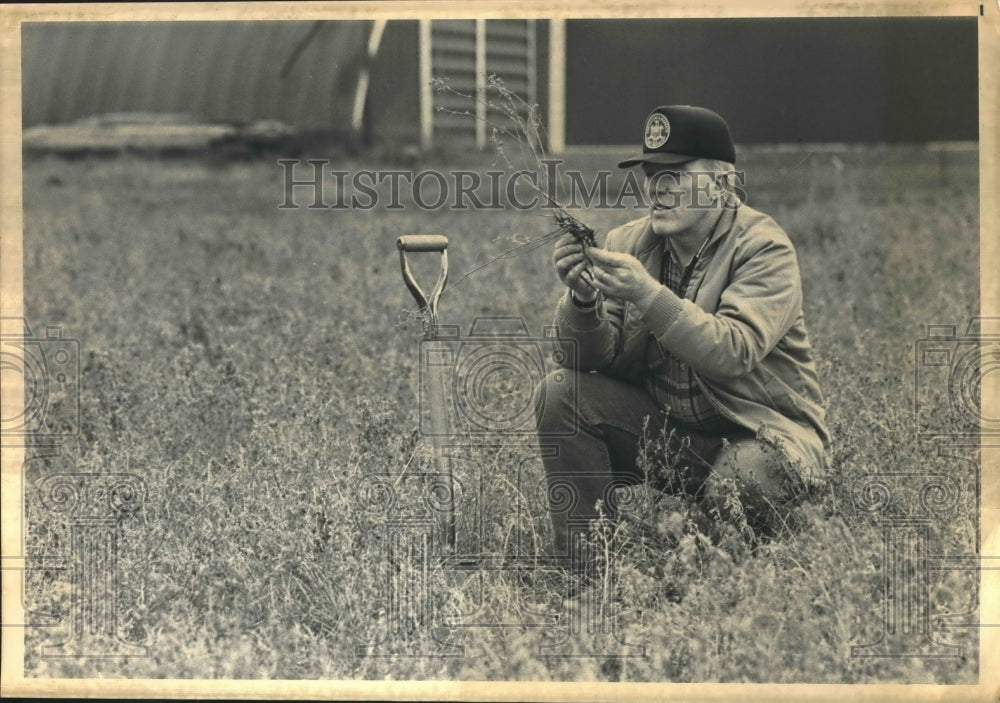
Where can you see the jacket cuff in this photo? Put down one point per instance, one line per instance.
(663, 311)
(578, 319)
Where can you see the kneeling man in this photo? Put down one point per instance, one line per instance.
(690, 320)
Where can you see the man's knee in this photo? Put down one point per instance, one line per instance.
(555, 400)
(750, 484)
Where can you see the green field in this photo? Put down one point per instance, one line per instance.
(257, 366)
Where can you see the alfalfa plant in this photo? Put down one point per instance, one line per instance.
(521, 124)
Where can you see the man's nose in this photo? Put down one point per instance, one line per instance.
(667, 195)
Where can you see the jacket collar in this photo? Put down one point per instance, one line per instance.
(650, 244)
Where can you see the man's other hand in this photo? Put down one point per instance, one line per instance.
(622, 276)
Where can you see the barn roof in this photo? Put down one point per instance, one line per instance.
(217, 71)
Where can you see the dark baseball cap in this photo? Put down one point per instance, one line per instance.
(676, 134)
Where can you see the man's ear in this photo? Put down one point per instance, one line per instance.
(715, 187)
(722, 183)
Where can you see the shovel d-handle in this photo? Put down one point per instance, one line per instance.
(428, 304)
(422, 242)
(435, 374)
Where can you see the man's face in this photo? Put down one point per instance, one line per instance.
(680, 195)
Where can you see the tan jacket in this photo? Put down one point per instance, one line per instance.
(740, 328)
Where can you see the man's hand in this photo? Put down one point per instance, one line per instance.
(570, 264)
(622, 276)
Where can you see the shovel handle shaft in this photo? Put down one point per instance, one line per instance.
(422, 242)
(439, 418)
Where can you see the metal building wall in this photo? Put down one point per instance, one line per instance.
(233, 71)
(214, 70)
(464, 53)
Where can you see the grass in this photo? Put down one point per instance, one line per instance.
(258, 367)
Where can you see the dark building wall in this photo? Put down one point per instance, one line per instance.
(785, 80)
(542, 70)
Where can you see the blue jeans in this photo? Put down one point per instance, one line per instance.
(590, 427)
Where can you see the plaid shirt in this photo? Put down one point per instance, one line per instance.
(671, 382)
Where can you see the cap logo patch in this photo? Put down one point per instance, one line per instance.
(657, 130)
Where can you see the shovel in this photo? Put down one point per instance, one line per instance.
(415, 243)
